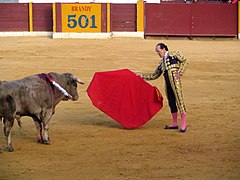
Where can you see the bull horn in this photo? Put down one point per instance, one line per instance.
(78, 80)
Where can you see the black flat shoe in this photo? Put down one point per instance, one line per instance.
(183, 130)
(170, 127)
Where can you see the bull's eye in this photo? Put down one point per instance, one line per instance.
(74, 83)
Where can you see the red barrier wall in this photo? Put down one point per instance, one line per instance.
(167, 19)
(196, 19)
(123, 17)
(177, 19)
(14, 17)
(214, 19)
(104, 18)
(58, 17)
(42, 17)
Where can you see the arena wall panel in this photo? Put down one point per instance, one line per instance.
(195, 19)
(58, 17)
(238, 19)
(167, 19)
(14, 17)
(217, 19)
(104, 17)
(42, 17)
(123, 17)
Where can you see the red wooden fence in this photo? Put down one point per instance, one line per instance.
(14, 17)
(176, 19)
(123, 17)
(42, 17)
(195, 19)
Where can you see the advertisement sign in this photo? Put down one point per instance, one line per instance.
(81, 18)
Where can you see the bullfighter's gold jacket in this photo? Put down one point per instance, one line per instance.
(171, 64)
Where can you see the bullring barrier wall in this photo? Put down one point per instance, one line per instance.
(195, 19)
(102, 20)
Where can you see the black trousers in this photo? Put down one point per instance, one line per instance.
(170, 94)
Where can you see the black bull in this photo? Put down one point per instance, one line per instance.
(34, 96)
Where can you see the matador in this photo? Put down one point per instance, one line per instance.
(172, 66)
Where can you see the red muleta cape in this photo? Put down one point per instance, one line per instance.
(125, 97)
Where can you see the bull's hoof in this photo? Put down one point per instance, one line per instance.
(1, 150)
(47, 142)
(39, 141)
(11, 148)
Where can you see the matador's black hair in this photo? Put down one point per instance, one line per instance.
(162, 46)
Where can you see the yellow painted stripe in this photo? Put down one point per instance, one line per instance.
(140, 16)
(54, 17)
(30, 14)
(108, 17)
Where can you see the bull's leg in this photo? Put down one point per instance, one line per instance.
(1, 128)
(38, 126)
(18, 118)
(46, 139)
(7, 131)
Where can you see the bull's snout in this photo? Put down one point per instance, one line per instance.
(75, 98)
(69, 97)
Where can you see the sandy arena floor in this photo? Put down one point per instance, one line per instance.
(87, 144)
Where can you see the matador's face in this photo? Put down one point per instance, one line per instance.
(160, 52)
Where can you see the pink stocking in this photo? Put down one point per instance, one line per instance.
(184, 121)
(174, 119)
